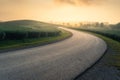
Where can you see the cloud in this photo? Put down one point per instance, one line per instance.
(80, 2)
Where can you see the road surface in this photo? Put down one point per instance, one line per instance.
(63, 60)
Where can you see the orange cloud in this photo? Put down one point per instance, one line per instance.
(79, 2)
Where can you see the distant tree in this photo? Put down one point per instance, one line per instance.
(97, 24)
(102, 25)
(118, 24)
(115, 26)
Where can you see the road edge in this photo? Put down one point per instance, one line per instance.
(37, 45)
(82, 73)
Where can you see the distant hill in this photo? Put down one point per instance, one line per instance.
(27, 25)
(0, 22)
(117, 26)
(23, 29)
(25, 22)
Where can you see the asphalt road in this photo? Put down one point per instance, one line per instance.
(63, 60)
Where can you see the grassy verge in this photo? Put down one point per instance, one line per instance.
(114, 56)
(17, 44)
(113, 53)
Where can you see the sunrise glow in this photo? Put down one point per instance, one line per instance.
(61, 11)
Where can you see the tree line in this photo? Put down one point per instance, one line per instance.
(16, 35)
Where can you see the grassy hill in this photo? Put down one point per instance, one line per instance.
(21, 29)
(26, 25)
(28, 33)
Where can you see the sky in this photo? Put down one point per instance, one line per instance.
(61, 10)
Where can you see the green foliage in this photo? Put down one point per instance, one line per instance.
(112, 33)
(117, 26)
(22, 29)
(16, 44)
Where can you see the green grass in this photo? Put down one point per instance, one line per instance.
(115, 46)
(112, 33)
(27, 25)
(21, 29)
(16, 44)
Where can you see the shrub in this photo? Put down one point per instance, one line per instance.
(14, 35)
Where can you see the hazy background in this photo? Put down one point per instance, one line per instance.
(61, 10)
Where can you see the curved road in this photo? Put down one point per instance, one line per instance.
(63, 60)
